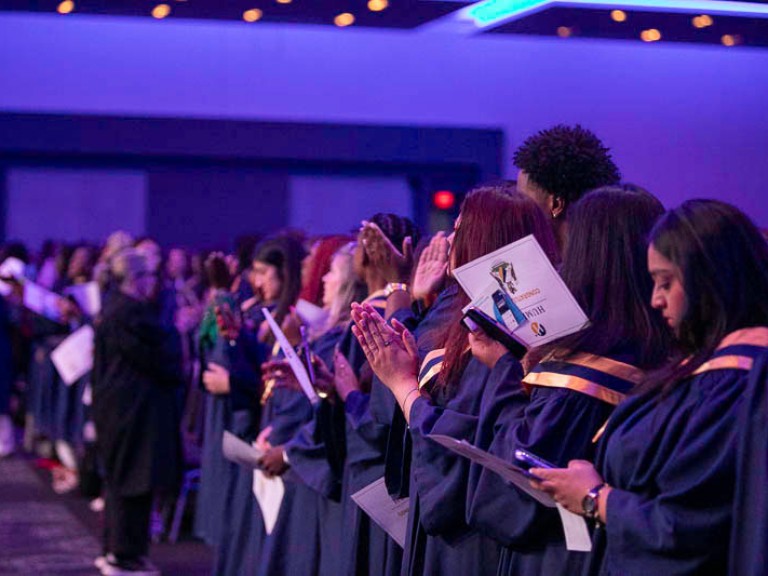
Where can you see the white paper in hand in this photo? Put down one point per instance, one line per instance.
(513, 474)
(87, 296)
(269, 494)
(577, 538)
(42, 301)
(391, 515)
(240, 452)
(293, 360)
(73, 358)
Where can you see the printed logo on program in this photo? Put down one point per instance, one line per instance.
(538, 329)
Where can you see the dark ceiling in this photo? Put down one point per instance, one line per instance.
(559, 19)
(398, 14)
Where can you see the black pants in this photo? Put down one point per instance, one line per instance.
(126, 524)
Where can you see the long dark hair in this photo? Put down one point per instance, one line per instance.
(491, 218)
(284, 253)
(605, 267)
(723, 260)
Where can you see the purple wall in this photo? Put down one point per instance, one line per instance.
(73, 204)
(683, 121)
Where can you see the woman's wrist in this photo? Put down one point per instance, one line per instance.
(602, 504)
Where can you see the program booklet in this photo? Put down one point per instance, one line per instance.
(519, 287)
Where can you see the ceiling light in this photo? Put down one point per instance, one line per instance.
(730, 39)
(702, 21)
(65, 7)
(650, 35)
(564, 32)
(344, 19)
(252, 15)
(618, 16)
(161, 11)
(284, 1)
(377, 5)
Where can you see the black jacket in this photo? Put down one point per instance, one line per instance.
(135, 379)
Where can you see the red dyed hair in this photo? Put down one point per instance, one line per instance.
(319, 265)
(491, 218)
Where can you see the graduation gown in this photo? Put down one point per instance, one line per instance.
(315, 523)
(215, 470)
(439, 540)
(285, 411)
(554, 413)
(429, 329)
(368, 550)
(671, 460)
(240, 535)
(749, 536)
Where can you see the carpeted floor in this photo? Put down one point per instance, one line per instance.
(46, 534)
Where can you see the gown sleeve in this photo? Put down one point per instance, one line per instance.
(556, 424)
(684, 511)
(440, 477)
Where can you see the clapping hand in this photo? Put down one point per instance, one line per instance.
(432, 268)
(344, 377)
(394, 263)
(390, 350)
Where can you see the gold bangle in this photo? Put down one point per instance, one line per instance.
(395, 287)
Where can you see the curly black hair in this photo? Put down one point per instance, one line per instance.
(567, 162)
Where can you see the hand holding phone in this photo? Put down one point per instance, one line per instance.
(475, 319)
(531, 460)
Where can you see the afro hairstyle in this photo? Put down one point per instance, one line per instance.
(567, 162)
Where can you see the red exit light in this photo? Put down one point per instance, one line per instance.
(444, 199)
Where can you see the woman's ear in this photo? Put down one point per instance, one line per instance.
(557, 207)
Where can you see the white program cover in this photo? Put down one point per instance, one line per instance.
(390, 514)
(87, 296)
(293, 360)
(73, 358)
(525, 274)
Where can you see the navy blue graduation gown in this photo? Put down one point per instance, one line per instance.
(292, 546)
(555, 419)
(315, 523)
(239, 536)
(439, 541)
(367, 549)
(286, 411)
(429, 330)
(671, 462)
(215, 470)
(371, 549)
(749, 536)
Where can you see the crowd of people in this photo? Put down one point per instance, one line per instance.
(649, 422)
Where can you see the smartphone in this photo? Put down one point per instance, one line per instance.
(475, 319)
(531, 460)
